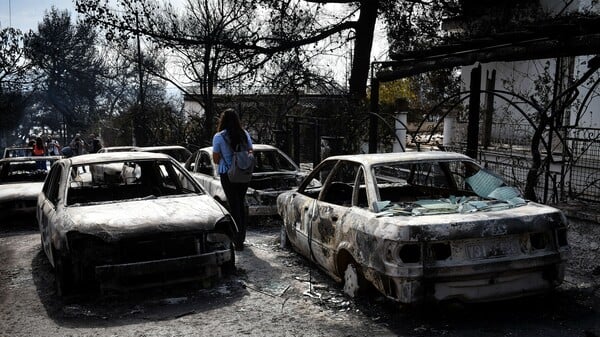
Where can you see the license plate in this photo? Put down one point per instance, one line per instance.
(492, 248)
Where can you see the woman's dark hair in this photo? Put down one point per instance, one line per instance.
(39, 142)
(230, 121)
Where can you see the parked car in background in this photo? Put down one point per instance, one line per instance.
(21, 180)
(18, 151)
(180, 153)
(274, 172)
(148, 223)
(424, 226)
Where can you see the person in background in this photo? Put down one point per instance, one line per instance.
(67, 151)
(77, 145)
(94, 144)
(230, 134)
(52, 146)
(30, 144)
(39, 149)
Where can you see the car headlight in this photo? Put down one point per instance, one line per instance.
(403, 252)
(217, 238)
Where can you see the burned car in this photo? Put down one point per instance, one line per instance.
(116, 149)
(21, 180)
(274, 172)
(424, 226)
(180, 153)
(126, 220)
(18, 151)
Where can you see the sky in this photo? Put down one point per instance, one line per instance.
(26, 14)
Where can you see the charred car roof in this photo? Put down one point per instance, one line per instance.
(115, 156)
(369, 159)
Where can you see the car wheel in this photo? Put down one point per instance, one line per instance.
(284, 241)
(229, 266)
(352, 280)
(63, 277)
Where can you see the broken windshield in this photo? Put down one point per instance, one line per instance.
(431, 187)
(127, 180)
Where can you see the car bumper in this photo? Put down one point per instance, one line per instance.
(479, 282)
(163, 272)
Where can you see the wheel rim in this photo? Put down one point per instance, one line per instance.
(351, 280)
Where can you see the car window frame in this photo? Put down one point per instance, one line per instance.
(204, 155)
(191, 164)
(339, 165)
(313, 173)
(51, 188)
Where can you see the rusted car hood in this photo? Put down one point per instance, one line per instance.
(516, 220)
(113, 221)
(20, 191)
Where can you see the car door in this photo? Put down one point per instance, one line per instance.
(47, 208)
(336, 203)
(300, 207)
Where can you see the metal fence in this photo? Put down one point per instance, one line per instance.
(573, 175)
(583, 167)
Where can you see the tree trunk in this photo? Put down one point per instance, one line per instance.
(533, 173)
(362, 49)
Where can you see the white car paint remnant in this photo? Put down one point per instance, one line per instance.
(123, 220)
(424, 226)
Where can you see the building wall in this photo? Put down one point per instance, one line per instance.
(533, 80)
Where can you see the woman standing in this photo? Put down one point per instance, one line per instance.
(39, 149)
(229, 135)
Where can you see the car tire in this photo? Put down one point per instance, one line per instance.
(284, 241)
(63, 277)
(229, 266)
(353, 280)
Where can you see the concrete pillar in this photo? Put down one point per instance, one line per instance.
(400, 125)
(449, 129)
(401, 120)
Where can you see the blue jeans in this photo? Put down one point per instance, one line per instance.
(236, 198)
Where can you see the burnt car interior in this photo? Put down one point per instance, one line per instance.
(26, 171)
(205, 164)
(271, 161)
(427, 186)
(10, 152)
(126, 180)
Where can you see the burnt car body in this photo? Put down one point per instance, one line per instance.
(274, 172)
(21, 180)
(116, 149)
(424, 226)
(180, 153)
(148, 223)
(18, 151)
